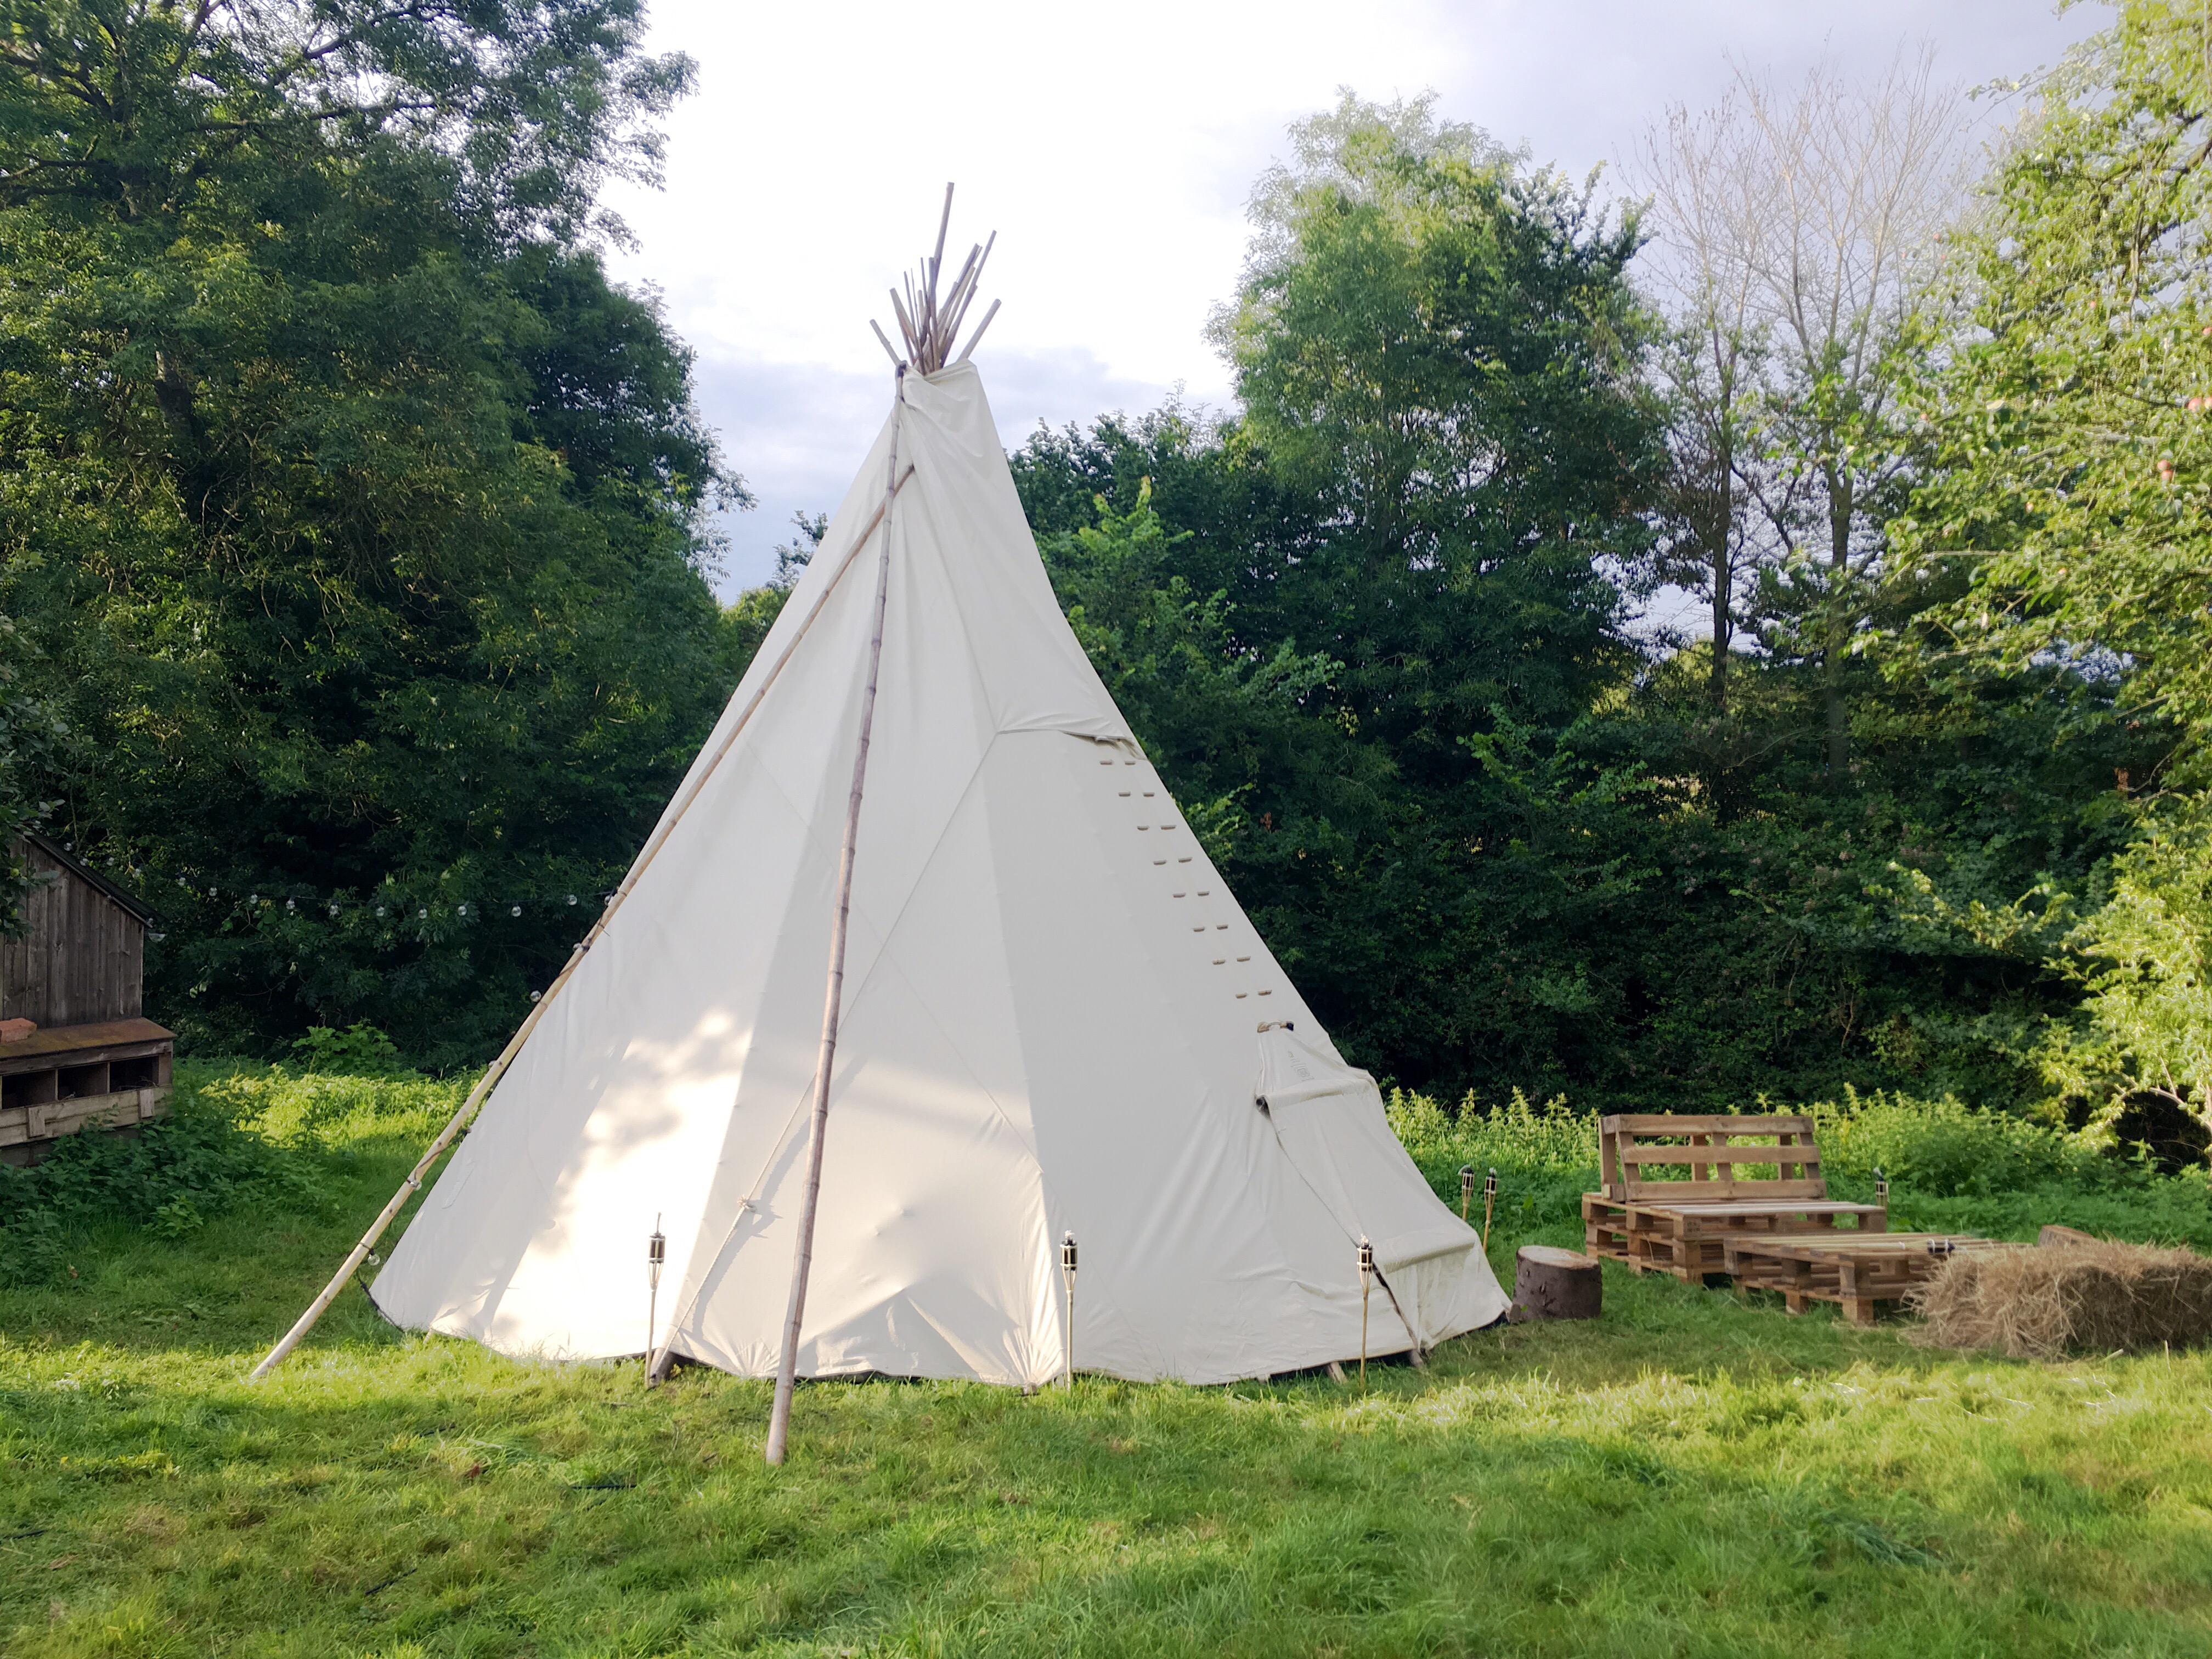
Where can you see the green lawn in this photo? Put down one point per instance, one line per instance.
(1689, 1475)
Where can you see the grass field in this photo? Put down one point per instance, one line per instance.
(1689, 1475)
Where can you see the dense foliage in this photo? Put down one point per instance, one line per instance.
(348, 515)
(2068, 519)
(352, 526)
(1377, 631)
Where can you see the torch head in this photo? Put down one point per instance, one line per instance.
(1067, 1254)
(1366, 1258)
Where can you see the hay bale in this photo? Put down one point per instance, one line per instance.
(2038, 1302)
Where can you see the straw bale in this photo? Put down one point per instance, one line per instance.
(2093, 1298)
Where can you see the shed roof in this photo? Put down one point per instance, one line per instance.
(77, 867)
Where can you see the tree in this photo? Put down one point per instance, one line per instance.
(356, 517)
(1443, 461)
(1713, 366)
(1798, 238)
(1438, 347)
(2069, 520)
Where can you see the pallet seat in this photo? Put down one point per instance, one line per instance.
(1678, 1188)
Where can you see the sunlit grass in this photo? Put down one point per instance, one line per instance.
(1689, 1475)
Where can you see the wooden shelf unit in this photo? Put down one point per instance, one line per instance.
(114, 1074)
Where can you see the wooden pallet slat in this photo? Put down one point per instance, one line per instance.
(1702, 1125)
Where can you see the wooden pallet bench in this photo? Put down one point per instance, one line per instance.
(1853, 1271)
(1676, 1190)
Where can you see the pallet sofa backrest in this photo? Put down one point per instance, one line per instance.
(1707, 1151)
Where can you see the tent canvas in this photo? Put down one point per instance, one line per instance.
(1055, 1019)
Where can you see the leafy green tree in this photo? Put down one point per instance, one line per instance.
(1438, 347)
(358, 518)
(2070, 521)
(1368, 609)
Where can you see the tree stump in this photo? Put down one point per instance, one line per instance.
(1549, 1283)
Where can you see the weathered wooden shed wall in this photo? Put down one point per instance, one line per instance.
(82, 960)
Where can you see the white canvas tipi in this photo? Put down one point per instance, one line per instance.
(1055, 1019)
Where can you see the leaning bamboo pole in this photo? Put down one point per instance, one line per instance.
(497, 1069)
(787, 1371)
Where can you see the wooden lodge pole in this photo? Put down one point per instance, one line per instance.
(787, 1371)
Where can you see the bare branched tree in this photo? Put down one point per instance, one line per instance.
(1714, 359)
(1800, 236)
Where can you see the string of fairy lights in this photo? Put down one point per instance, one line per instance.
(387, 901)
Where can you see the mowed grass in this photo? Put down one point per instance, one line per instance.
(1691, 1474)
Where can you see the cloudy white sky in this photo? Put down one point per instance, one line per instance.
(1113, 148)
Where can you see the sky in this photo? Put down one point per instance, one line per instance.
(1114, 149)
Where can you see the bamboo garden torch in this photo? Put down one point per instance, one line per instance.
(656, 1257)
(1489, 1206)
(1067, 1278)
(1466, 1188)
(1366, 1282)
(1880, 1189)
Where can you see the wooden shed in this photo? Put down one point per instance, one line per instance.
(77, 1051)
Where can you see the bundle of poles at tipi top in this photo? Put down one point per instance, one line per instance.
(930, 325)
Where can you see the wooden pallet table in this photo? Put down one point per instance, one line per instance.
(1852, 1270)
(1677, 1187)
(1691, 1240)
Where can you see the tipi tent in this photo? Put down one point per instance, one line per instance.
(1055, 1019)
